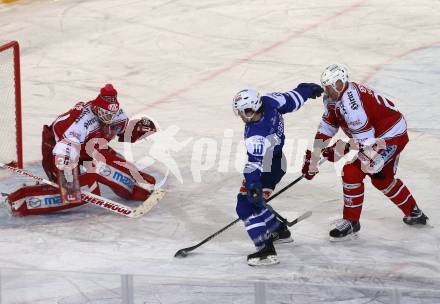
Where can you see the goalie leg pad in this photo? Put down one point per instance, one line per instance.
(37, 199)
(122, 176)
(44, 199)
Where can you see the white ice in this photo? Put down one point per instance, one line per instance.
(181, 62)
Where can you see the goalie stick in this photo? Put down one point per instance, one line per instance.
(99, 201)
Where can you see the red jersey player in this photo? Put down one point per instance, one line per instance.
(378, 131)
(77, 138)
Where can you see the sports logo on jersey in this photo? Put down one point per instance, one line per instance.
(79, 106)
(353, 104)
(276, 94)
(75, 135)
(90, 122)
(280, 129)
(356, 123)
(342, 109)
(85, 111)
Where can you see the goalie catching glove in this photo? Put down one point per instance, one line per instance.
(140, 128)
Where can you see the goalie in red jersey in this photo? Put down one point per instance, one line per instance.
(76, 155)
(378, 131)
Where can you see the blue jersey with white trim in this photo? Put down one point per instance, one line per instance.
(265, 138)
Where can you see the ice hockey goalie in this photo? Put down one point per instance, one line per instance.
(76, 155)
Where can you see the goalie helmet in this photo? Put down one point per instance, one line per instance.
(106, 105)
(332, 74)
(246, 99)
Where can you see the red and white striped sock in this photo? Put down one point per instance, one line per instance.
(353, 200)
(400, 195)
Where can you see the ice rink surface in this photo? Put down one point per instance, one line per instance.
(181, 62)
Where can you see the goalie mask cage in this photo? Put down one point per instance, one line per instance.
(11, 151)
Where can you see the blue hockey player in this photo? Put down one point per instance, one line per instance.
(264, 139)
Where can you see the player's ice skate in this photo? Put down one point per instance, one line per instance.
(263, 257)
(282, 235)
(417, 217)
(345, 230)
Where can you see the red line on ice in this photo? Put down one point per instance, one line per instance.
(250, 57)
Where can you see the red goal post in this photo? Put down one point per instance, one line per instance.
(11, 146)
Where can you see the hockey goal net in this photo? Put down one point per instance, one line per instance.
(11, 151)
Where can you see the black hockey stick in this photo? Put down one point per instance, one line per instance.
(184, 251)
(286, 221)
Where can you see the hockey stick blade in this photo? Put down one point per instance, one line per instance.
(183, 253)
(151, 201)
(299, 218)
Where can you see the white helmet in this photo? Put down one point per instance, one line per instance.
(246, 99)
(332, 74)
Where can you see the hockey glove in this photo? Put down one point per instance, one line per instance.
(141, 129)
(309, 90)
(254, 192)
(310, 166)
(374, 157)
(336, 151)
(66, 154)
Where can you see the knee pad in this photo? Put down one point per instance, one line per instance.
(382, 183)
(352, 173)
(244, 208)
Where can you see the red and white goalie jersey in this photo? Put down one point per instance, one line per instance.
(362, 114)
(82, 127)
(79, 135)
